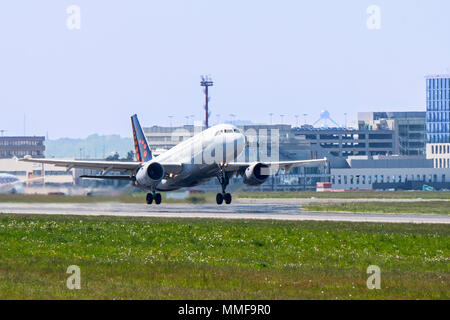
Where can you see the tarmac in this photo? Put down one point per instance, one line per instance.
(260, 209)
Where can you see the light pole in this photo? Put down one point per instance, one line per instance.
(271, 115)
(296, 120)
(233, 116)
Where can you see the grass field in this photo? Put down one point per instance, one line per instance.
(147, 258)
(431, 207)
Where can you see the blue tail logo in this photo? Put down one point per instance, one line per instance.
(143, 152)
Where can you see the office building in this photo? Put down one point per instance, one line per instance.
(438, 120)
(21, 146)
(409, 129)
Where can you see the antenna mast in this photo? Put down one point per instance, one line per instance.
(206, 83)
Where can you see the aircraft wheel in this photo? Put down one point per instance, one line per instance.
(219, 198)
(149, 198)
(227, 198)
(158, 198)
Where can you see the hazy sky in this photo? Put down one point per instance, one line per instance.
(146, 57)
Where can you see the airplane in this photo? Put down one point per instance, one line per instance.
(183, 166)
(11, 184)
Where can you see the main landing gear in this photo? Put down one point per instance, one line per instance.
(153, 196)
(224, 181)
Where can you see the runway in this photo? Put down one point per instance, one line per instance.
(262, 211)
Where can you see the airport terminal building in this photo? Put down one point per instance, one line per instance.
(389, 173)
(51, 175)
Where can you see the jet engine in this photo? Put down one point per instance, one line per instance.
(150, 174)
(256, 174)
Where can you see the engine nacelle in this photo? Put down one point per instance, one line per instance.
(150, 174)
(256, 174)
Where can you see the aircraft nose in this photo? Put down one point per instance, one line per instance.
(240, 145)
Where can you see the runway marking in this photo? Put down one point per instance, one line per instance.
(269, 211)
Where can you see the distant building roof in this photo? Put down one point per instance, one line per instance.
(365, 162)
(438, 76)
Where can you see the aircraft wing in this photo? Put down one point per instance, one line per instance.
(105, 166)
(286, 165)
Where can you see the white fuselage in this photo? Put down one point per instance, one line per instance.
(10, 184)
(200, 156)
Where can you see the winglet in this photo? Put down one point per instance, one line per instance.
(143, 152)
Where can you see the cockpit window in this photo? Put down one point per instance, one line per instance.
(226, 131)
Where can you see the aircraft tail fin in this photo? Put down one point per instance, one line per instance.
(143, 152)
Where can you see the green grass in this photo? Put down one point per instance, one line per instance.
(431, 207)
(445, 195)
(155, 258)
